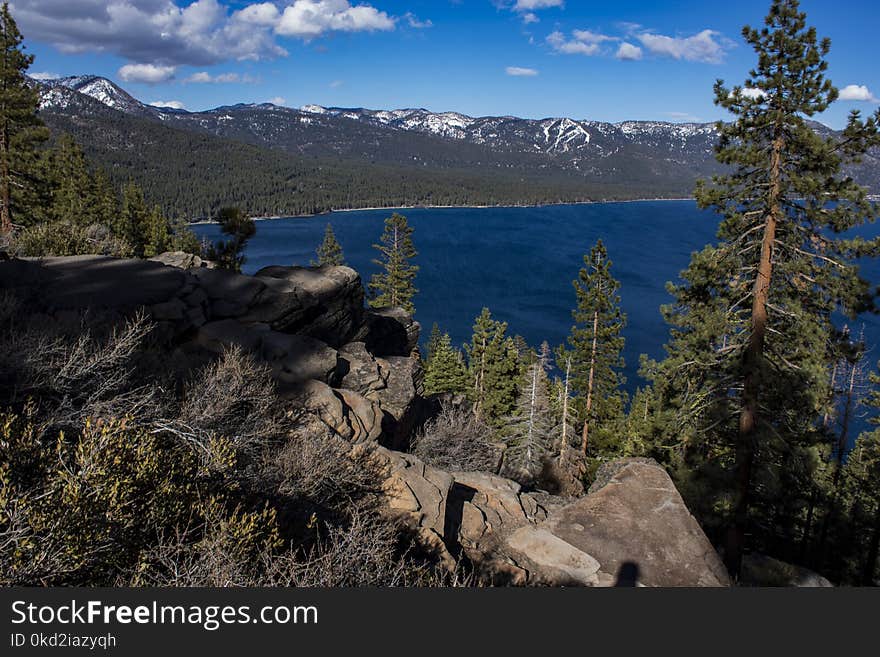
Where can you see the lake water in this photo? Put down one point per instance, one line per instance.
(520, 262)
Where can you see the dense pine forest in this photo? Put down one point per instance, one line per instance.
(193, 175)
(750, 410)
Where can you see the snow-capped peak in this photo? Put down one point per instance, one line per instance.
(101, 89)
(313, 109)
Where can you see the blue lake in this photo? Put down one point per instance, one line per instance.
(520, 262)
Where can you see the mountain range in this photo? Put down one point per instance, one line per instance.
(282, 160)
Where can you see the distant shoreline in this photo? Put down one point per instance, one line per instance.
(446, 207)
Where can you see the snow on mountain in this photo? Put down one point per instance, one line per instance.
(569, 143)
(101, 89)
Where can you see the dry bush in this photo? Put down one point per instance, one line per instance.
(368, 551)
(88, 366)
(327, 473)
(456, 441)
(233, 397)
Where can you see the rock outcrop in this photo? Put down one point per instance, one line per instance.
(355, 374)
(634, 530)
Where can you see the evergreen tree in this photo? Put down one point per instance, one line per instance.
(745, 371)
(183, 238)
(594, 347)
(72, 198)
(21, 130)
(393, 286)
(157, 236)
(104, 199)
(529, 433)
(433, 339)
(229, 254)
(862, 487)
(445, 370)
(493, 367)
(330, 251)
(131, 223)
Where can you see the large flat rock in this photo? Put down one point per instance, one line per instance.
(75, 282)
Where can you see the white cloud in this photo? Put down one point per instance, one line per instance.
(707, 46)
(586, 36)
(336, 84)
(192, 32)
(203, 77)
(307, 19)
(199, 33)
(529, 5)
(519, 71)
(858, 92)
(149, 73)
(415, 23)
(44, 76)
(574, 46)
(277, 100)
(265, 14)
(173, 104)
(628, 52)
(530, 18)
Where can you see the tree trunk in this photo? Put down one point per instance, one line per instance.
(753, 361)
(586, 431)
(5, 196)
(479, 382)
(532, 415)
(564, 445)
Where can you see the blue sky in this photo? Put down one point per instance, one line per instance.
(608, 61)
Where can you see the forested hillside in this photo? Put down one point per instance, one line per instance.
(193, 174)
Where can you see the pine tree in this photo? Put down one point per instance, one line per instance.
(72, 185)
(595, 346)
(132, 222)
(393, 286)
(862, 485)
(433, 339)
(229, 253)
(330, 251)
(529, 433)
(104, 199)
(157, 236)
(745, 371)
(493, 368)
(21, 130)
(183, 238)
(445, 370)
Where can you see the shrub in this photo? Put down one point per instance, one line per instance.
(456, 441)
(66, 238)
(83, 509)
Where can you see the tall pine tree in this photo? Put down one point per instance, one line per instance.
(330, 251)
(393, 286)
(530, 432)
(493, 368)
(594, 350)
(72, 200)
(745, 371)
(21, 130)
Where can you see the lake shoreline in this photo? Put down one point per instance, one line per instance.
(448, 207)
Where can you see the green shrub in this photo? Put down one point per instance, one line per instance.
(66, 238)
